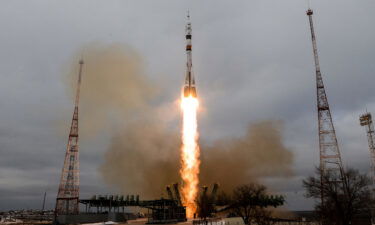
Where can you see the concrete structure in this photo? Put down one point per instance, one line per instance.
(91, 218)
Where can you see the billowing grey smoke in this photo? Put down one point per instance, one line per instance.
(143, 156)
(260, 152)
(115, 89)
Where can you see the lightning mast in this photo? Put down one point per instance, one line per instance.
(67, 200)
(366, 121)
(330, 158)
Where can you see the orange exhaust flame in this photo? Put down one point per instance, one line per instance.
(190, 154)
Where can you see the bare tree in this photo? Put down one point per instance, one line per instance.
(250, 202)
(341, 204)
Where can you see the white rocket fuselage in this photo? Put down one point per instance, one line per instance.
(189, 87)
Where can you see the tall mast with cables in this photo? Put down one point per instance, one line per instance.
(67, 201)
(330, 158)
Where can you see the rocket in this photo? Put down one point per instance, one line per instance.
(189, 86)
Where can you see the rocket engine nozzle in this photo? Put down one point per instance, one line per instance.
(190, 91)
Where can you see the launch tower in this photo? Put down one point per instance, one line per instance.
(67, 200)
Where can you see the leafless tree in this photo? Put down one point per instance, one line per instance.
(341, 203)
(250, 202)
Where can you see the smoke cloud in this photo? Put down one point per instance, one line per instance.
(145, 158)
(114, 89)
(258, 153)
(144, 153)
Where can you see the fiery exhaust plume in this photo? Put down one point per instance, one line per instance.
(190, 154)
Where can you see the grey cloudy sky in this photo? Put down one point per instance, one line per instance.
(252, 60)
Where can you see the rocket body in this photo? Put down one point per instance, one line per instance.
(189, 86)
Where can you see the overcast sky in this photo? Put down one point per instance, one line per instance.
(252, 60)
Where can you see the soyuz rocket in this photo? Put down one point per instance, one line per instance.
(189, 86)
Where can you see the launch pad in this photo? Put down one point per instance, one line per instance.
(112, 208)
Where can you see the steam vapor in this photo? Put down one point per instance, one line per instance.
(144, 154)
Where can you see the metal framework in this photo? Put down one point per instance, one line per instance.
(366, 121)
(110, 203)
(67, 201)
(330, 158)
(214, 191)
(177, 193)
(160, 211)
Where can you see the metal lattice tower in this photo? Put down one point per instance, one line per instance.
(366, 120)
(67, 200)
(330, 158)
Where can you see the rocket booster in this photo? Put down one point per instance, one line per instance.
(189, 87)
